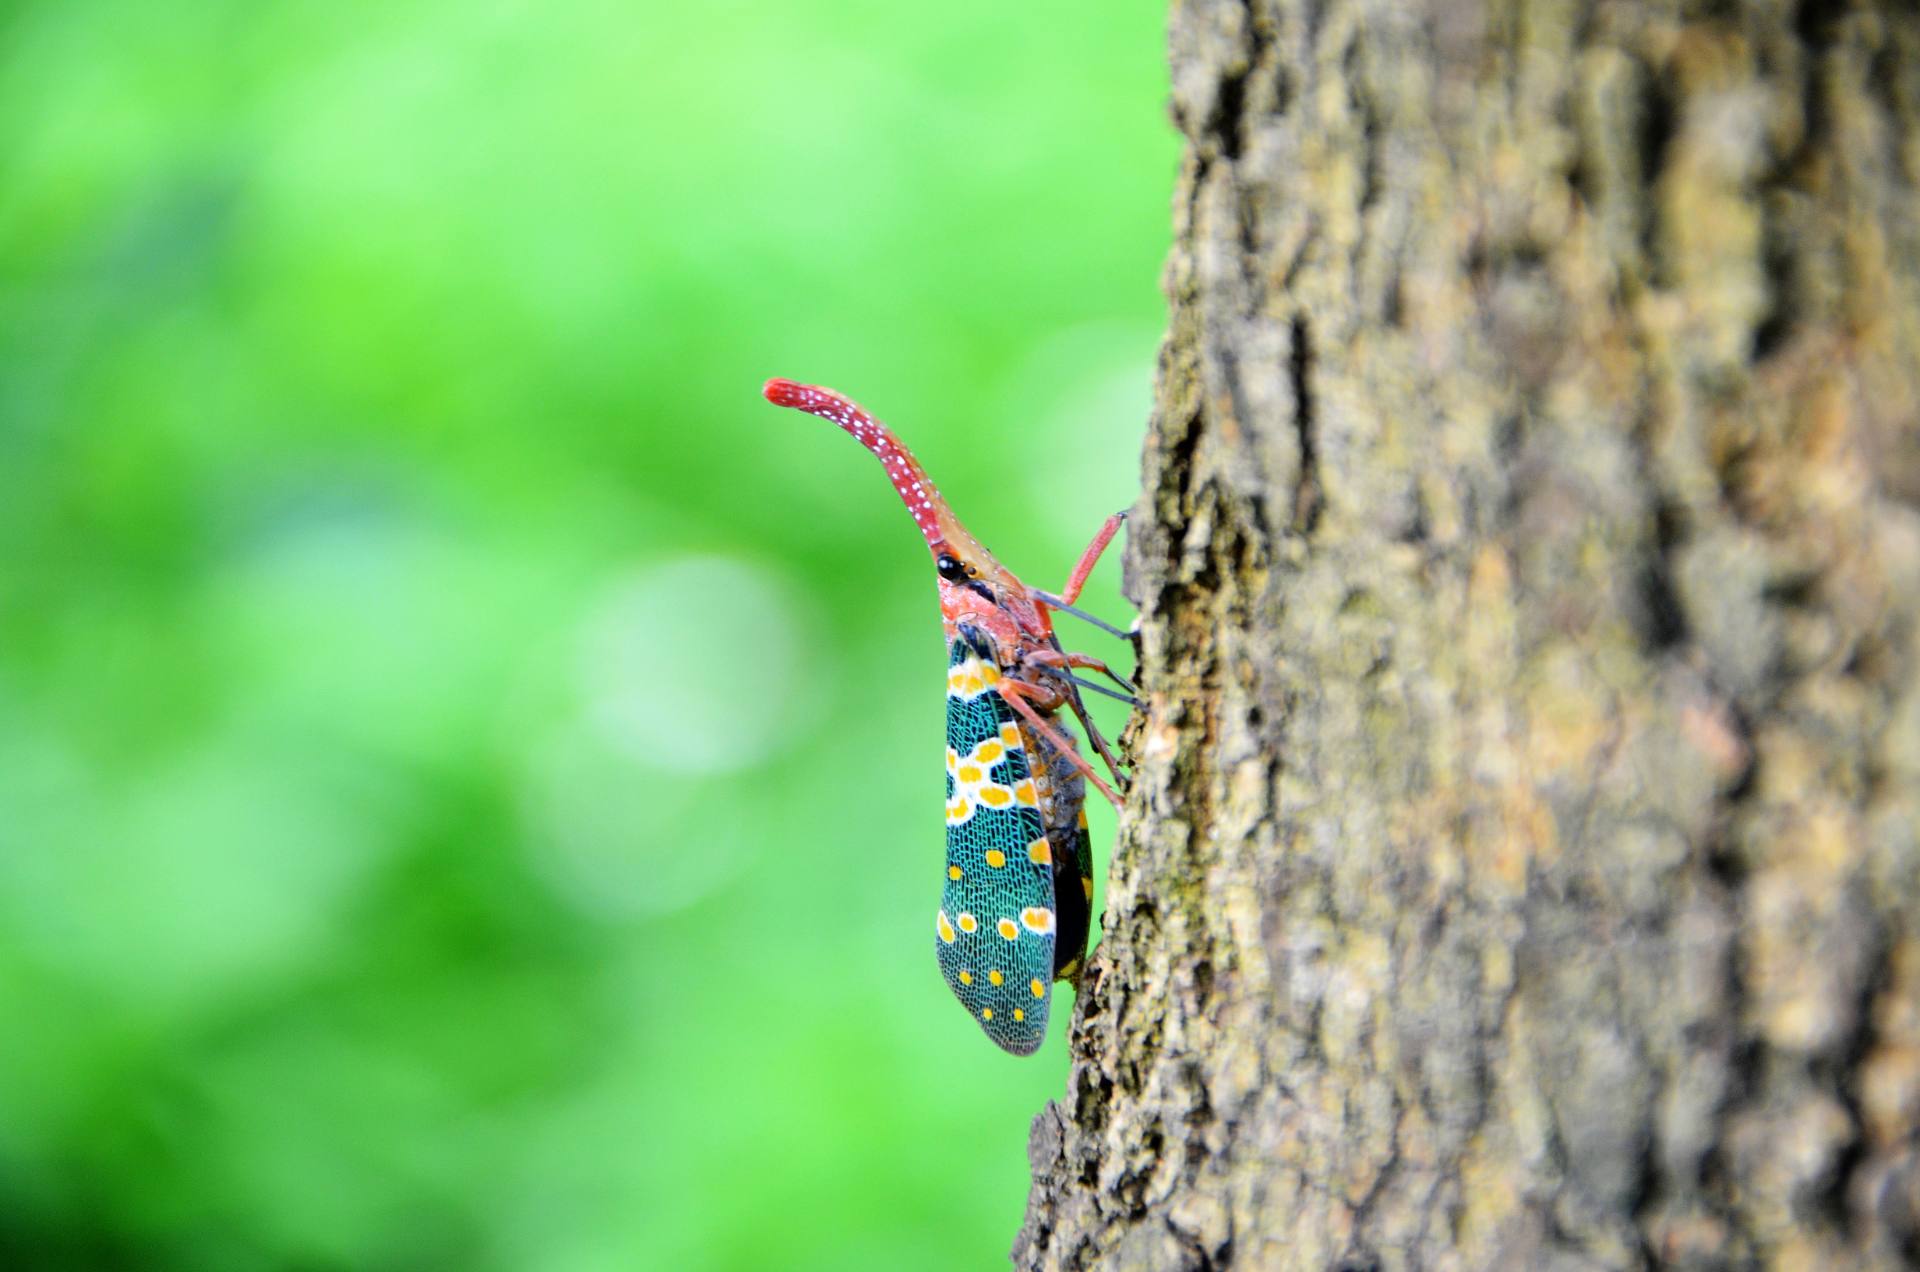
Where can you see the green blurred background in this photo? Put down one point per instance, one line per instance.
(469, 769)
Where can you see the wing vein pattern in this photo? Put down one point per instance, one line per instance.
(996, 928)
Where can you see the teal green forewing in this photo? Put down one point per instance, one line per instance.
(997, 922)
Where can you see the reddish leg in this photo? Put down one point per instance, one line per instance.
(1059, 658)
(1014, 693)
(1093, 735)
(1056, 658)
(1078, 579)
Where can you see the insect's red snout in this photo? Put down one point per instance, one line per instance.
(783, 392)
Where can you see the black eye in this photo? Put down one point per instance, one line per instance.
(951, 568)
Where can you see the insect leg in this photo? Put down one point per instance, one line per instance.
(1094, 686)
(1059, 658)
(1078, 579)
(1093, 736)
(1055, 603)
(1015, 692)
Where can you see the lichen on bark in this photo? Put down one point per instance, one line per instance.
(1522, 866)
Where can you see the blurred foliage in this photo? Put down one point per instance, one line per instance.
(469, 769)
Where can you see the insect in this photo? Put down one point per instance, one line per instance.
(1018, 895)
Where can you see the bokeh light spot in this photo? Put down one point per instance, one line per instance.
(697, 665)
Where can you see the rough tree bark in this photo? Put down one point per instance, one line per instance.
(1522, 866)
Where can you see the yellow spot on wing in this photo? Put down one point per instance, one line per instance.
(1038, 987)
(1037, 918)
(996, 977)
(996, 796)
(1026, 794)
(968, 922)
(966, 978)
(1040, 852)
(970, 773)
(1008, 929)
(995, 858)
(953, 872)
(989, 751)
(986, 1013)
(1018, 1014)
(944, 928)
(1010, 734)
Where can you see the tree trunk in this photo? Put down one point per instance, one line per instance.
(1521, 868)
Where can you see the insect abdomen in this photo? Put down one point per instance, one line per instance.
(1063, 798)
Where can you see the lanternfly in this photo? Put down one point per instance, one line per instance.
(1018, 890)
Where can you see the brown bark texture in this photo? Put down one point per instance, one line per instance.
(1521, 867)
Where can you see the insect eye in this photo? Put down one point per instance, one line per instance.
(951, 568)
